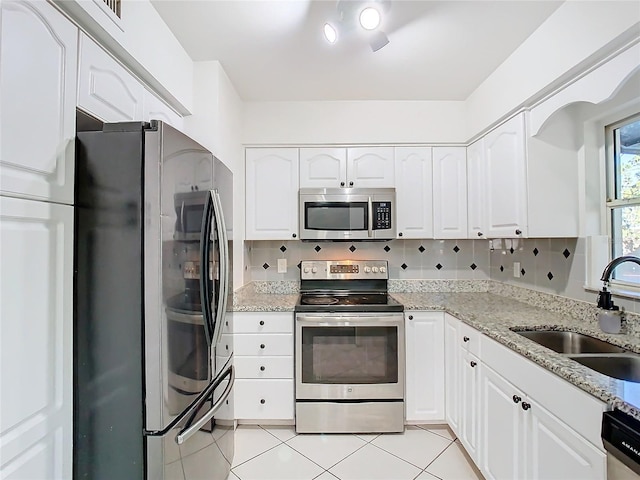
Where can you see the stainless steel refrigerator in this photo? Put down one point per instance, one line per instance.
(152, 281)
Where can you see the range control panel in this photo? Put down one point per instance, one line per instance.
(344, 269)
(381, 215)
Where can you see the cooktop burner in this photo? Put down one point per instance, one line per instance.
(313, 300)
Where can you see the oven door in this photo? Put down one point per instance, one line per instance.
(349, 357)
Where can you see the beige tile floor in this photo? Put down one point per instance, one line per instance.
(420, 453)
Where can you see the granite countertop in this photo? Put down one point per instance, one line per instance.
(494, 315)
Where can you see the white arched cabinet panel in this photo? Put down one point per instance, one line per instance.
(38, 61)
(323, 167)
(271, 193)
(414, 187)
(449, 192)
(155, 109)
(105, 89)
(506, 173)
(36, 320)
(476, 184)
(370, 167)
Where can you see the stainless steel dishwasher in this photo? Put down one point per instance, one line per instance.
(621, 439)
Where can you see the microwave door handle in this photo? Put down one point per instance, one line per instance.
(370, 215)
(187, 432)
(182, 225)
(205, 256)
(224, 268)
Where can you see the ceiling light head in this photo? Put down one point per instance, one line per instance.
(369, 18)
(330, 33)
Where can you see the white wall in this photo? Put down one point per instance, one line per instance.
(372, 122)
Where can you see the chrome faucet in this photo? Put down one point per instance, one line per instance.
(604, 297)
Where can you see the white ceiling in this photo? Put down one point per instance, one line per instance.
(274, 49)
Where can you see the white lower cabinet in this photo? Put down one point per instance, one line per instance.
(263, 358)
(424, 346)
(452, 372)
(470, 368)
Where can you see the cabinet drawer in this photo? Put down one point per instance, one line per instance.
(264, 367)
(470, 339)
(263, 345)
(263, 322)
(263, 399)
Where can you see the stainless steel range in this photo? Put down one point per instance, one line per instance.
(350, 359)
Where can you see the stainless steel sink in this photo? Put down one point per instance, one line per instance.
(569, 342)
(621, 366)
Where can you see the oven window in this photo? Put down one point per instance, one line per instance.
(340, 216)
(349, 355)
(188, 350)
(192, 218)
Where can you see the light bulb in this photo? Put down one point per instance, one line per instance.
(369, 18)
(330, 33)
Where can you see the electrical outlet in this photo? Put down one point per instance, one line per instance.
(516, 269)
(282, 265)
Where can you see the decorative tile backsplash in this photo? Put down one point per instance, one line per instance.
(408, 259)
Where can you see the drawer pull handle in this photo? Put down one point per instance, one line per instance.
(263, 401)
(262, 345)
(516, 399)
(261, 322)
(465, 339)
(410, 317)
(262, 368)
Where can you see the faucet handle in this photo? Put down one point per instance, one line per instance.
(605, 301)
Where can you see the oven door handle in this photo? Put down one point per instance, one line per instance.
(370, 215)
(339, 321)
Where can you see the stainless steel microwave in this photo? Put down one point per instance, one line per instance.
(347, 213)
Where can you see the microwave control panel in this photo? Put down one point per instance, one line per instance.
(381, 215)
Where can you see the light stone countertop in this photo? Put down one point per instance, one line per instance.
(494, 313)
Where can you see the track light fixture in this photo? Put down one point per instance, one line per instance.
(352, 14)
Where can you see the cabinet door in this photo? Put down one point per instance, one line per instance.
(155, 109)
(452, 373)
(36, 321)
(502, 428)
(449, 192)
(272, 193)
(38, 61)
(476, 224)
(370, 167)
(414, 186)
(469, 398)
(323, 167)
(105, 89)
(424, 335)
(506, 187)
(555, 451)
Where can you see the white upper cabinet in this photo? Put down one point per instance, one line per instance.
(370, 167)
(476, 222)
(105, 88)
(450, 192)
(38, 62)
(323, 167)
(155, 109)
(506, 185)
(271, 193)
(414, 198)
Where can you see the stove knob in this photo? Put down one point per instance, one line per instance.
(367, 269)
(374, 269)
(306, 269)
(383, 269)
(314, 270)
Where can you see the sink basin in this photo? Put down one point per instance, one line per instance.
(569, 342)
(624, 367)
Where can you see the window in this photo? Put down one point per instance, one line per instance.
(623, 197)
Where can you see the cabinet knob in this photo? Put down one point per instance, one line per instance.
(465, 339)
(518, 231)
(342, 184)
(294, 235)
(410, 317)
(351, 184)
(480, 234)
(516, 399)
(399, 234)
(473, 364)
(261, 322)
(263, 401)
(262, 368)
(262, 345)
(196, 188)
(526, 406)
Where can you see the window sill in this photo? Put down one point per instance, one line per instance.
(617, 290)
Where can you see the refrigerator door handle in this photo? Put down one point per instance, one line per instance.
(224, 268)
(205, 256)
(189, 430)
